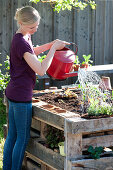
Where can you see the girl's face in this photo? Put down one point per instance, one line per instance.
(29, 29)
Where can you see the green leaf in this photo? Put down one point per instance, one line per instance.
(90, 149)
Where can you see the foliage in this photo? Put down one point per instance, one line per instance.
(40, 58)
(95, 152)
(87, 59)
(98, 102)
(54, 136)
(4, 78)
(77, 60)
(99, 109)
(59, 5)
(2, 117)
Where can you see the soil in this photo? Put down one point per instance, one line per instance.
(70, 103)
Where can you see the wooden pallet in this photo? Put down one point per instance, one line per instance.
(79, 133)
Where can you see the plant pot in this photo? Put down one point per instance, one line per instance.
(106, 84)
(76, 67)
(84, 66)
(61, 148)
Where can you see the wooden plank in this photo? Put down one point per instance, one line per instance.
(63, 22)
(43, 130)
(49, 157)
(104, 141)
(45, 31)
(105, 163)
(83, 32)
(73, 145)
(36, 124)
(108, 32)
(37, 160)
(79, 125)
(48, 117)
(32, 166)
(99, 34)
(32, 157)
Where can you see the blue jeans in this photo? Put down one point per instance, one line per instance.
(20, 116)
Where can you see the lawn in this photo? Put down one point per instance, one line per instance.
(2, 121)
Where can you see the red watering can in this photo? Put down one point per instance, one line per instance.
(62, 64)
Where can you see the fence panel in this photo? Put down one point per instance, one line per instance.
(91, 30)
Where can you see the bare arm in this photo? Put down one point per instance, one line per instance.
(36, 65)
(42, 48)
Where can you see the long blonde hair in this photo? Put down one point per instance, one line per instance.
(27, 15)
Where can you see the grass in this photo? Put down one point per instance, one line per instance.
(2, 122)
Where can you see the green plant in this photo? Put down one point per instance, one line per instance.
(2, 117)
(77, 60)
(87, 59)
(59, 5)
(97, 108)
(95, 152)
(54, 136)
(4, 78)
(40, 58)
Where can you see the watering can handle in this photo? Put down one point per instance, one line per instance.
(72, 43)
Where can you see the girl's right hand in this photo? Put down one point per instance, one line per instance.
(59, 44)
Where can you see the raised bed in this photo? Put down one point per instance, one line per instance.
(79, 135)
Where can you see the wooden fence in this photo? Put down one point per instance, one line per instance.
(91, 30)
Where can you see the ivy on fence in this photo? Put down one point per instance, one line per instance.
(59, 5)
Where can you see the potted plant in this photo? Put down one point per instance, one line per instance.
(54, 136)
(76, 64)
(86, 61)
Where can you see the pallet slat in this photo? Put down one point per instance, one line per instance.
(50, 158)
(87, 164)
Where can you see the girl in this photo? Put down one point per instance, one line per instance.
(23, 66)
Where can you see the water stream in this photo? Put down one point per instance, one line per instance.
(94, 92)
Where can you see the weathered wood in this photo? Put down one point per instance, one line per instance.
(51, 115)
(36, 124)
(46, 155)
(79, 125)
(43, 130)
(104, 141)
(87, 164)
(46, 116)
(32, 166)
(73, 145)
(90, 29)
(38, 161)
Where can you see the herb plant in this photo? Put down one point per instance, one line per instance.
(53, 137)
(77, 60)
(95, 152)
(87, 59)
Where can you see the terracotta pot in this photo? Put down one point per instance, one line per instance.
(76, 67)
(84, 66)
(106, 82)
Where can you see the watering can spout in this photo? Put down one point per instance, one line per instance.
(73, 74)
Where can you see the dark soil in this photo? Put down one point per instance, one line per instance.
(72, 104)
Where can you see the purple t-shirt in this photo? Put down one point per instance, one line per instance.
(23, 77)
